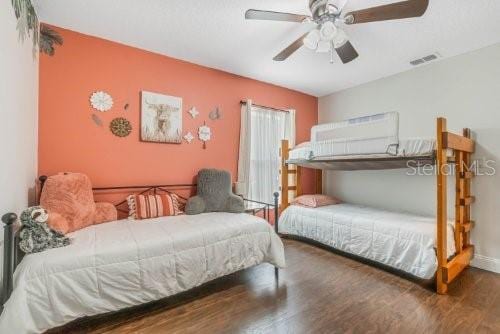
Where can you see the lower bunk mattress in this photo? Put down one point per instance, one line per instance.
(124, 263)
(402, 241)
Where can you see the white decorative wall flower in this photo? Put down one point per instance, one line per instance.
(101, 101)
(188, 137)
(194, 112)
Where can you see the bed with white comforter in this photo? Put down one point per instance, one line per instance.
(402, 241)
(124, 263)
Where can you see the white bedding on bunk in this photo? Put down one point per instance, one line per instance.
(408, 147)
(402, 241)
(124, 263)
(301, 152)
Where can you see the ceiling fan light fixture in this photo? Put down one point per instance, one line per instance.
(339, 39)
(324, 46)
(327, 31)
(312, 39)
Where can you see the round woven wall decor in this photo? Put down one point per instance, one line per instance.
(120, 127)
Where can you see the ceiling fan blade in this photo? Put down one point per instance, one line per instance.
(254, 14)
(398, 10)
(283, 55)
(347, 52)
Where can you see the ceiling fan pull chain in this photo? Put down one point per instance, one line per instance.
(332, 49)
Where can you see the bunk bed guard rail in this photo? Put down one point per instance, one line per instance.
(374, 134)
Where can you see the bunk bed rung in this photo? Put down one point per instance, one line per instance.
(467, 175)
(466, 227)
(292, 171)
(292, 188)
(457, 264)
(456, 142)
(467, 201)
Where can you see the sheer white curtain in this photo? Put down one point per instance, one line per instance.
(290, 127)
(259, 161)
(268, 128)
(242, 187)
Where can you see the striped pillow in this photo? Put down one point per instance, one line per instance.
(153, 206)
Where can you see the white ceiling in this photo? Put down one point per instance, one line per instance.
(214, 33)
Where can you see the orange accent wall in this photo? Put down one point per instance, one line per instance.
(70, 141)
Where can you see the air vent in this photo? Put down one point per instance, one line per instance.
(425, 59)
(417, 62)
(430, 57)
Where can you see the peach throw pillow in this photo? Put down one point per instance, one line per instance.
(315, 201)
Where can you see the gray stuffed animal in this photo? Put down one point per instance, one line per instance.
(214, 194)
(36, 236)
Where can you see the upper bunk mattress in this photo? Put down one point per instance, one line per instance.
(403, 241)
(407, 147)
(115, 265)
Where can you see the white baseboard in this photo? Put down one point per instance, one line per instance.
(486, 263)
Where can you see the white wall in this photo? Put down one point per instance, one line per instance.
(18, 115)
(466, 90)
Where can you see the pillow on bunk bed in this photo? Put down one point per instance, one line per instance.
(315, 201)
(153, 206)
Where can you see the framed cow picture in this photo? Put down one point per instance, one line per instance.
(161, 118)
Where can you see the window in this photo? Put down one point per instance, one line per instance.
(265, 129)
(268, 129)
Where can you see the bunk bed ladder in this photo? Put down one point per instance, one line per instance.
(286, 172)
(462, 146)
(296, 174)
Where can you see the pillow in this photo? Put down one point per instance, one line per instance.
(304, 144)
(315, 201)
(153, 206)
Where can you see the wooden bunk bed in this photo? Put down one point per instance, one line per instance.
(461, 146)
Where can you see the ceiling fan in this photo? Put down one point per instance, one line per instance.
(327, 36)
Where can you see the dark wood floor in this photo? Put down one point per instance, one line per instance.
(319, 292)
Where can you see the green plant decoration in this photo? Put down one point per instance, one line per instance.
(28, 25)
(49, 37)
(27, 20)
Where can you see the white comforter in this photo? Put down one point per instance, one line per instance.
(124, 263)
(402, 241)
